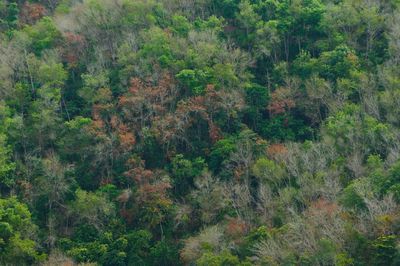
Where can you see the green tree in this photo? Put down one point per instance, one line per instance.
(43, 35)
(223, 259)
(384, 250)
(6, 166)
(184, 171)
(17, 244)
(194, 80)
(91, 208)
(8, 16)
(257, 98)
(268, 171)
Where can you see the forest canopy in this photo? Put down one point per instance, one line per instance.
(200, 132)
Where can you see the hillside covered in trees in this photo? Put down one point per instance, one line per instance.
(200, 132)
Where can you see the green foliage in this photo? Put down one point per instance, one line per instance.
(224, 76)
(339, 63)
(325, 253)
(285, 127)
(6, 165)
(386, 182)
(351, 124)
(164, 253)
(359, 25)
(221, 151)
(255, 237)
(184, 171)
(157, 47)
(342, 259)
(213, 23)
(8, 16)
(16, 231)
(194, 80)
(268, 172)
(92, 209)
(93, 86)
(350, 198)
(304, 65)
(52, 75)
(43, 35)
(223, 259)
(180, 25)
(384, 250)
(134, 248)
(138, 247)
(257, 98)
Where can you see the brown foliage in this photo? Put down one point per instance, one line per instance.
(138, 173)
(236, 228)
(188, 113)
(154, 105)
(144, 101)
(323, 207)
(276, 150)
(281, 101)
(150, 183)
(32, 12)
(214, 132)
(151, 194)
(127, 214)
(73, 48)
(126, 138)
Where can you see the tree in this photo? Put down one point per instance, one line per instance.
(384, 250)
(91, 209)
(268, 172)
(221, 151)
(195, 80)
(138, 247)
(225, 258)
(339, 63)
(6, 166)
(360, 25)
(257, 99)
(209, 239)
(180, 25)
(184, 171)
(150, 205)
(370, 135)
(164, 253)
(248, 18)
(51, 187)
(17, 232)
(8, 16)
(32, 12)
(209, 198)
(43, 35)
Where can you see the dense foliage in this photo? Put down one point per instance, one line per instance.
(200, 132)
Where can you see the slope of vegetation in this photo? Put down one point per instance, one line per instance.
(200, 132)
